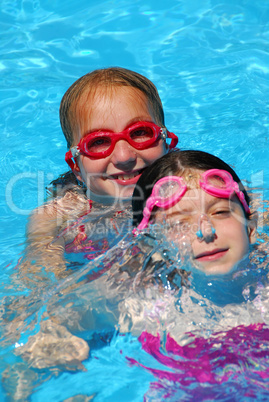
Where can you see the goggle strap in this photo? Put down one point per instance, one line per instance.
(167, 134)
(69, 160)
(243, 201)
(174, 139)
(241, 197)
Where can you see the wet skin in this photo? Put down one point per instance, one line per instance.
(117, 174)
(217, 251)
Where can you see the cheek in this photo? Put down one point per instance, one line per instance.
(153, 153)
(244, 245)
(235, 232)
(91, 166)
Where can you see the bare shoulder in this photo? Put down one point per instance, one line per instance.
(44, 246)
(52, 216)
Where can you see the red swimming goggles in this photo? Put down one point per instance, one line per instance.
(100, 144)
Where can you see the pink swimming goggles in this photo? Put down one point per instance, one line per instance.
(100, 144)
(169, 190)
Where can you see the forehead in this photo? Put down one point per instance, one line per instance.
(192, 178)
(108, 107)
(194, 199)
(108, 98)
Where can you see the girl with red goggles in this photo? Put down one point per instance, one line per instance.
(113, 122)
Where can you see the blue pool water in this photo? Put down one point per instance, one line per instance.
(209, 60)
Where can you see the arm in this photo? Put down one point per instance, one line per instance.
(44, 244)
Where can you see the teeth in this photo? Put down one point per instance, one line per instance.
(127, 176)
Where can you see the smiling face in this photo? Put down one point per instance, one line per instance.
(226, 232)
(114, 109)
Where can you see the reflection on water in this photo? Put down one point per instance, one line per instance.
(209, 60)
(145, 287)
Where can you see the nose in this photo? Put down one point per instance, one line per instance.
(206, 231)
(124, 155)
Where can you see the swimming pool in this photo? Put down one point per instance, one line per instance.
(209, 61)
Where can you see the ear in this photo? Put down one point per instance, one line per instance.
(252, 227)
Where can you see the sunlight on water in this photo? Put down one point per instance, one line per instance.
(180, 334)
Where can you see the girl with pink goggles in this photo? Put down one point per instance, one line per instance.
(169, 190)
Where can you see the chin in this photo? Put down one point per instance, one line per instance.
(219, 270)
(216, 269)
(127, 193)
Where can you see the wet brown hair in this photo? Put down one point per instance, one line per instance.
(176, 163)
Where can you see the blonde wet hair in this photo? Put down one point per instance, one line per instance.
(106, 78)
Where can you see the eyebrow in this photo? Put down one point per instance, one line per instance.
(217, 200)
(184, 211)
(129, 124)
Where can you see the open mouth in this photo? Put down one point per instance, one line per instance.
(125, 176)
